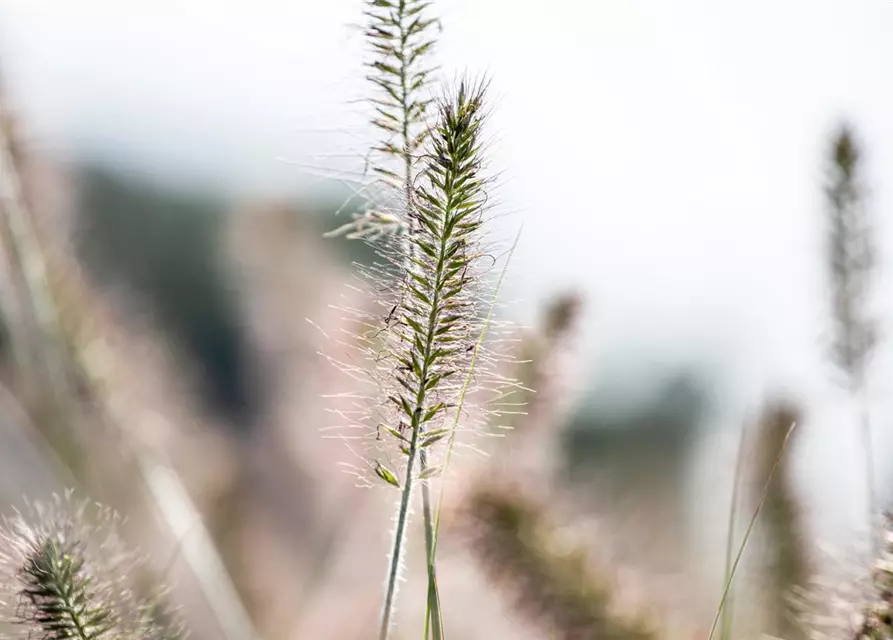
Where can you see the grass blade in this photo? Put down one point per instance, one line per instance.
(452, 437)
(727, 588)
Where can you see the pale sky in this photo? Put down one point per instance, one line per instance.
(665, 156)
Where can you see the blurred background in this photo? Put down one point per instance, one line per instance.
(667, 161)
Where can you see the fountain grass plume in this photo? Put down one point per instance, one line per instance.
(552, 582)
(418, 350)
(401, 36)
(64, 574)
(430, 343)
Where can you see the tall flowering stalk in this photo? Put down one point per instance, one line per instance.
(401, 37)
(425, 220)
(419, 352)
(432, 335)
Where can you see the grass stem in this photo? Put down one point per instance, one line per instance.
(727, 588)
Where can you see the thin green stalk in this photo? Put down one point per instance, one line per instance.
(727, 588)
(433, 617)
(467, 384)
(399, 535)
(433, 604)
